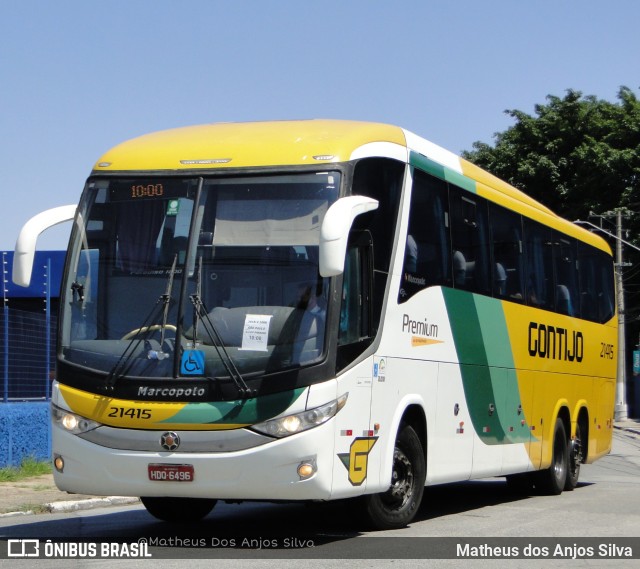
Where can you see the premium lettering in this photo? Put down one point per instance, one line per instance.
(420, 327)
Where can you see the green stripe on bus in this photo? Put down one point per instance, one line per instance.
(495, 336)
(238, 412)
(427, 165)
(497, 344)
(486, 363)
(461, 181)
(439, 171)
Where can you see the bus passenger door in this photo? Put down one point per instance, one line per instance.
(355, 442)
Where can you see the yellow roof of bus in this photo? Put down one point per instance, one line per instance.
(295, 143)
(238, 145)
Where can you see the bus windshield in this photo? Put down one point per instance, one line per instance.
(178, 276)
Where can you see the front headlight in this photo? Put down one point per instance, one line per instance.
(70, 422)
(292, 424)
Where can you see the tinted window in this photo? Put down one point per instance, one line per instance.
(507, 249)
(427, 248)
(566, 275)
(597, 298)
(380, 179)
(539, 265)
(469, 241)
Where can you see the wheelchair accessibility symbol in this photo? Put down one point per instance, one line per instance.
(192, 363)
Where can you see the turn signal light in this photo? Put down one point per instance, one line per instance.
(58, 462)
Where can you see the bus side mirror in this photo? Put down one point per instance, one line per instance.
(334, 232)
(26, 242)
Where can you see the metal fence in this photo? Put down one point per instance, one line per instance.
(27, 354)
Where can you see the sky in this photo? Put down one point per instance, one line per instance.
(78, 77)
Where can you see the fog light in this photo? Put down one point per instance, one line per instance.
(307, 469)
(58, 462)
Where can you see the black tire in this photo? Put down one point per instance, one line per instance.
(575, 458)
(396, 507)
(178, 510)
(552, 480)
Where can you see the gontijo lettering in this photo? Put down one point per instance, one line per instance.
(553, 342)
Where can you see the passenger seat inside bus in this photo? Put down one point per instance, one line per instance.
(500, 280)
(459, 270)
(563, 300)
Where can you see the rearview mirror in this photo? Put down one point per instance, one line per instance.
(28, 238)
(334, 232)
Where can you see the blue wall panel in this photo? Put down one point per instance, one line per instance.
(24, 431)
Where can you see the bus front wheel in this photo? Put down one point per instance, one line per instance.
(396, 507)
(178, 510)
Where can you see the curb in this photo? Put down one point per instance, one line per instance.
(77, 505)
(633, 430)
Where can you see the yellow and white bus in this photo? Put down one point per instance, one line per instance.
(318, 310)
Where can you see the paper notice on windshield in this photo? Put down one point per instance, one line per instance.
(256, 332)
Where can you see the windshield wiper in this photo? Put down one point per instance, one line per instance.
(124, 363)
(202, 315)
(165, 299)
(77, 289)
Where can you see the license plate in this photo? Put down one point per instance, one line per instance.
(171, 472)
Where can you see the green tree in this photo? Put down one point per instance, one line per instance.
(576, 154)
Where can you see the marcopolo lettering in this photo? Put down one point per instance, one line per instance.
(144, 391)
(555, 343)
(421, 281)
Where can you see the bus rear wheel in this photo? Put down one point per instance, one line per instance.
(396, 507)
(575, 459)
(553, 479)
(178, 510)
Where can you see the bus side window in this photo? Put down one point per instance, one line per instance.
(539, 266)
(355, 327)
(566, 274)
(597, 298)
(349, 321)
(605, 287)
(381, 179)
(508, 253)
(469, 240)
(427, 248)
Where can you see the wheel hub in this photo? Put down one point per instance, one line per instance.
(401, 479)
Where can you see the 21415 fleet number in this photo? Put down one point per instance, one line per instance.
(131, 412)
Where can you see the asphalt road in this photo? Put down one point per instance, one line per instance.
(603, 512)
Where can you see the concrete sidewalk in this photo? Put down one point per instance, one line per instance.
(40, 495)
(629, 425)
